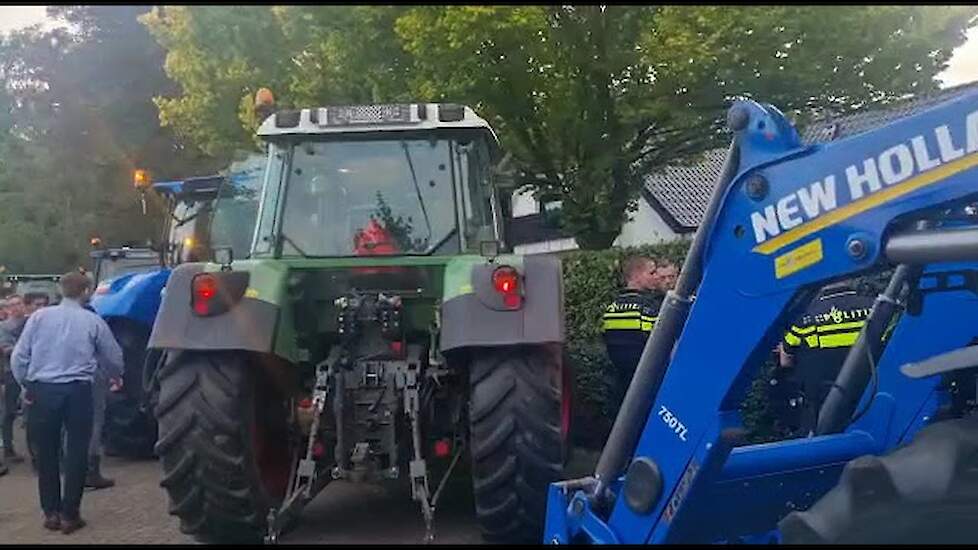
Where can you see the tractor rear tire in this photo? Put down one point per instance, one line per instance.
(517, 441)
(129, 429)
(223, 444)
(925, 492)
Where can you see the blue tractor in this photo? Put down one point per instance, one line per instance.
(894, 452)
(130, 281)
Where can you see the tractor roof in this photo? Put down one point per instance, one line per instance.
(205, 186)
(372, 118)
(124, 252)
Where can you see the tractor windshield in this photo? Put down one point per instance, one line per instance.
(378, 197)
(110, 267)
(233, 222)
(188, 218)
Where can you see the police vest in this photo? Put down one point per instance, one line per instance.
(833, 320)
(632, 311)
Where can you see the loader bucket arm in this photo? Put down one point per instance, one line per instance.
(785, 219)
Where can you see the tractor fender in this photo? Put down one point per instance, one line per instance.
(476, 317)
(133, 296)
(248, 325)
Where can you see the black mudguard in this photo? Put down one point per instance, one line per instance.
(249, 325)
(475, 319)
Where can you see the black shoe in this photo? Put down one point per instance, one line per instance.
(94, 479)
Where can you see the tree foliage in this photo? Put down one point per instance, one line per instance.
(79, 120)
(593, 98)
(596, 97)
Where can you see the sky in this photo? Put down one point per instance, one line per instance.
(962, 68)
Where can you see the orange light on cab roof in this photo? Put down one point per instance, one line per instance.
(140, 178)
(264, 98)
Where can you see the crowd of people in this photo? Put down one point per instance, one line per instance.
(57, 364)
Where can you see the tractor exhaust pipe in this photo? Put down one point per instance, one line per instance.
(652, 365)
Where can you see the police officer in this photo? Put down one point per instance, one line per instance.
(813, 351)
(628, 321)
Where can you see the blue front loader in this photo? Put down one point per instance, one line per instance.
(892, 443)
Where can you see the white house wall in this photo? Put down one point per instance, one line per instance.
(645, 227)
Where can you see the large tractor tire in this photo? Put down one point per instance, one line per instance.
(129, 428)
(922, 493)
(223, 443)
(518, 434)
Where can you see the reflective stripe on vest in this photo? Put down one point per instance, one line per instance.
(630, 320)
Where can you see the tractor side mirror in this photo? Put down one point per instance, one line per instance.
(224, 255)
(489, 249)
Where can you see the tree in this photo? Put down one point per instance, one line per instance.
(596, 97)
(221, 55)
(591, 97)
(81, 119)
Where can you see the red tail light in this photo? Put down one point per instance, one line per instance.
(506, 281)
(443, 448)
(204, 290)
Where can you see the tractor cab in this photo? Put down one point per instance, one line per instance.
(32, 284)
(110, 263)
(378, 180)
(232, 222)
(189, 204)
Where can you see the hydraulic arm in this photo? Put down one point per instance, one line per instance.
(786, 219)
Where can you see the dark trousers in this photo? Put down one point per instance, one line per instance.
(11, 393)
(624, 354)
(57, 406)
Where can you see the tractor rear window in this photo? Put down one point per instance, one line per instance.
(370, 198)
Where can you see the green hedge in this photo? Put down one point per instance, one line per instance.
(592, 279)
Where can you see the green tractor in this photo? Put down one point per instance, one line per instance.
(372, 331)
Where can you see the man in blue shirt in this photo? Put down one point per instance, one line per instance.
(56, 360)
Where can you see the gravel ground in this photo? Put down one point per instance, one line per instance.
(134, 511)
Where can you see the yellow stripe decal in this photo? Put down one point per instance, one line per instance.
(794, 261)
(871, 201)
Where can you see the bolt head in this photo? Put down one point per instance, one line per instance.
(577, 507)
(756, 187)
(856, 248)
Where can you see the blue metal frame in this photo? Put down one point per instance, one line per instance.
(712, 492)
